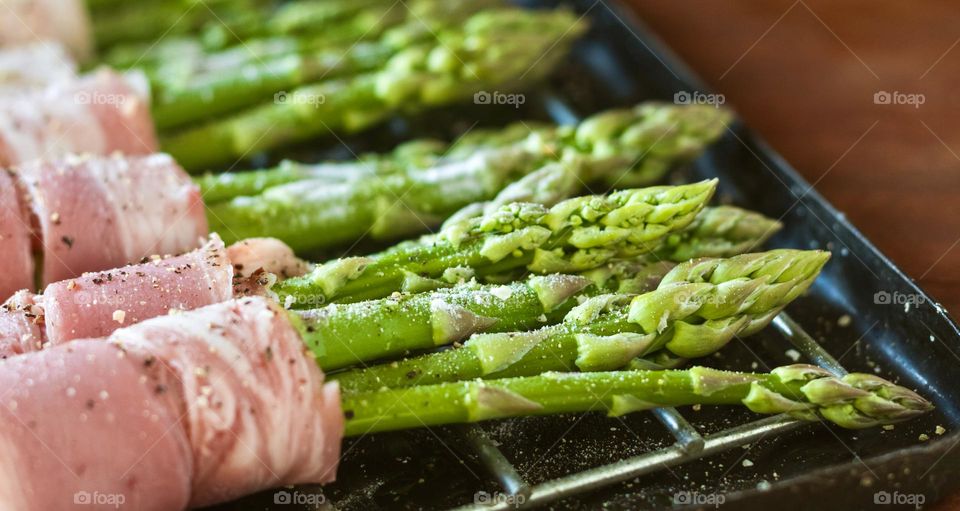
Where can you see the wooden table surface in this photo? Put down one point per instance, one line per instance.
(804, 74)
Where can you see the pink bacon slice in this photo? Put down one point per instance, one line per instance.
(194, 409)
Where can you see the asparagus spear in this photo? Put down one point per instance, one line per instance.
(150, 21)
(343, 335)
(495, 49)
(414, 188)
(646, 139)
(349, 334)
(698, 307)
(719, 232)
(575, 235)
(806, 392)
(189, 97)
(327, 23)
(242, 77)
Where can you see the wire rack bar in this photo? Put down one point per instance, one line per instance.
(636, 466)
(494, 460)
(806, 344)
(688, 438)
(687, 447)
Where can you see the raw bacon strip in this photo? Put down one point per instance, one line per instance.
(79, 422)
(34, 66)
(99, 114)
(95, 213)
(255, 413)
(15, 253)
(64, 21)
(96, 304)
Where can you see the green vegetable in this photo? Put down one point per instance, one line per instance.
(698, 308)
(496, 50)
(803, 391)
(575, 235)
(383, 197)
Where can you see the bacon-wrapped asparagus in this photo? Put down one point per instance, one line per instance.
(94, 213)
(224, 401)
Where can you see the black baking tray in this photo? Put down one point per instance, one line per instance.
(856, 310)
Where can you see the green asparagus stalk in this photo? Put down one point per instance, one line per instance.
(605, 145)
(498, 49)
(341, 335)
(224, 83)
(575, 235)
(723, 231)
(143, 21)
(719, 232)
(418, 185)
(191, 97)
(698, 308)
(805, 392)
(329, 23)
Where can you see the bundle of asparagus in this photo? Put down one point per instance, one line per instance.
(575, 235)
(116, 22)
(342, 335)
(697, 308)
(193, 85)
(497, 49)
(131, 41)
(806, 392)
(421, 183)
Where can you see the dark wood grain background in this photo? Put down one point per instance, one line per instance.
(804, 74)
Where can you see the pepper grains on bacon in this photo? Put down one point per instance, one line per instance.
(98, 303)
(93, 213)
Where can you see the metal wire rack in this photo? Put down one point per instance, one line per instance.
(689, 445)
